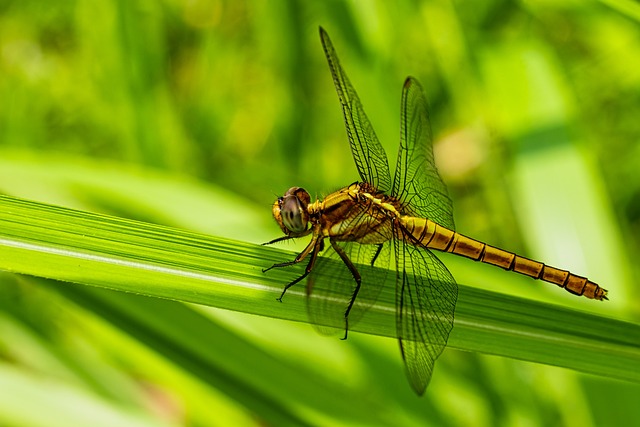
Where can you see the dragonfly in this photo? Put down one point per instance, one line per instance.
(375, 220)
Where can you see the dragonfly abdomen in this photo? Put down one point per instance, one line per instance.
(433, 236)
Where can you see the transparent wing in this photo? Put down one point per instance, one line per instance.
(417, 183)
(368, 154)
(426, 295)
(329, 298)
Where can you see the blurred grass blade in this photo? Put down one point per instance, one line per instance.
(227, 361)
(59, 404)
(67, 245)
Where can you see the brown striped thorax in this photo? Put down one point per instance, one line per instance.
(357, 213)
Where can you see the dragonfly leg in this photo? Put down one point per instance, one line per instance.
(314, 247)
(282, 264)
(301, 256)
(356, 277)
(279, 239)
(312, 261)
(375, 257)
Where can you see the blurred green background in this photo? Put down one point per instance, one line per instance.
(197, 114)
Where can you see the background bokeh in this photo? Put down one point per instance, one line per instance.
(197, 114)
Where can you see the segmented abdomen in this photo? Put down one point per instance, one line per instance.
(427, 233)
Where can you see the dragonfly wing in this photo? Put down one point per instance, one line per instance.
(417, 183)
(368, 153)
(426, 295)
(331, 285)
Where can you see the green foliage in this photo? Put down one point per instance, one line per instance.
(140, 258)
(195, 115)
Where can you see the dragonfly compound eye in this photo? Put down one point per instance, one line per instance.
(293, 215)
(290, 211)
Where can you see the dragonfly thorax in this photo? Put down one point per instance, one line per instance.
(290, 211)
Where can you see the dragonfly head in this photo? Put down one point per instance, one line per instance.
(290, 211)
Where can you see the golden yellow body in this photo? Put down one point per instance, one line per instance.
(361, 214)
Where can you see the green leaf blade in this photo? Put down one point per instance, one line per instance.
(146, 259)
